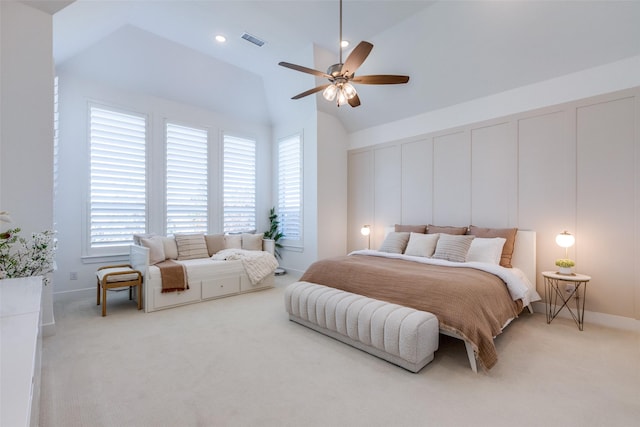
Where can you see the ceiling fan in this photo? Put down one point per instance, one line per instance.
(342, 75)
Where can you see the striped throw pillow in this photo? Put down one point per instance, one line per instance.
(453, 247)
(191, 246)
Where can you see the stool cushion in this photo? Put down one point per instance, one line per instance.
(117, 277)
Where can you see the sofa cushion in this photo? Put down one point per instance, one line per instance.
(170, 247)
(215, 243)
(191, 246)
(252, 242)
(156, 248)
(233, 241)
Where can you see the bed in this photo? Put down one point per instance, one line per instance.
(473, 301)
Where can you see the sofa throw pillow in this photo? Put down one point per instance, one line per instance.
(191, 246)
(215, 243)
(170, 247)
(506, 233)
(233, 241)
(395, 242)
(156, 248)
(453, 247)
(486, 250)
(421, 244)
(252, 242)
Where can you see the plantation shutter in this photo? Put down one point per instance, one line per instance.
(239, 187)
(118, 177)
(187, 178)
(290, 187)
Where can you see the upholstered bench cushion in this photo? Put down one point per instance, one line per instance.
(400, 335)
(117, 277)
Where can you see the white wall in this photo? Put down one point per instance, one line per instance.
(26, 122)
(594, 81)
(332, 187)
(75, 93)
(573, 166)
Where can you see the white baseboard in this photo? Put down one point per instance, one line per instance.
(593, 317)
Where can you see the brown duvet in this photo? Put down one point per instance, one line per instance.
(471, 303)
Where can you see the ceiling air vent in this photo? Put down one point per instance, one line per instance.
(253, 39)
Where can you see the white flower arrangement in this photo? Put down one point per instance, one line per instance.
(20, 257)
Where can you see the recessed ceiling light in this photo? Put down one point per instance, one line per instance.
(220, 38)
(344, 43)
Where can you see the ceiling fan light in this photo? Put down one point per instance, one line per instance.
(349, 90)
(330, 92)
(342, 98)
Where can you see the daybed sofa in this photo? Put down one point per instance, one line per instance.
(214, 266)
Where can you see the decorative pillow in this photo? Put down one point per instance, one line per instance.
(445, 229)
(137, 238)
(506, 233)
(252, 242)
(170, 247)
(486, 250)
(215, 243)
(191, 246)
(395, 242)
(411, 228)
(453, 247)
(421, 244)
(233, 241)
(156, 248)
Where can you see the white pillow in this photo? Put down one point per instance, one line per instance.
(156, 248)
(233, 241)
(421, 244)
(453, 247)
(170, 247)
(487, 250)
(395, 242)
(252, 242)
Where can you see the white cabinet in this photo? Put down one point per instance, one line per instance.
(20, 350)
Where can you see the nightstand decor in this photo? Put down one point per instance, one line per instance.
(565, 240)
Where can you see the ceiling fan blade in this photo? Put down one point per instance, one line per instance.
(305, 69)
(380, 79)
(356, 58)
(355, 101)
(310, 91)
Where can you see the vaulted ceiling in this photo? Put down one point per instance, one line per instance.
(454, 51)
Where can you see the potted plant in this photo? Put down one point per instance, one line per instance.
(565, 265)
(274, 233)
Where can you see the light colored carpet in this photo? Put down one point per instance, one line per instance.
(239, 361)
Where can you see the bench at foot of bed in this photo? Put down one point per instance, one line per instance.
(400, 335)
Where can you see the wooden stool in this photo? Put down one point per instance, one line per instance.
(118, 276)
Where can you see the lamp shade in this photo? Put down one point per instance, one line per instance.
(365, 230)
(565, 239)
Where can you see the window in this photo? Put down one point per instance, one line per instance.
(290, 187)
(239, 184)
(186, 179)
(117, 177)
